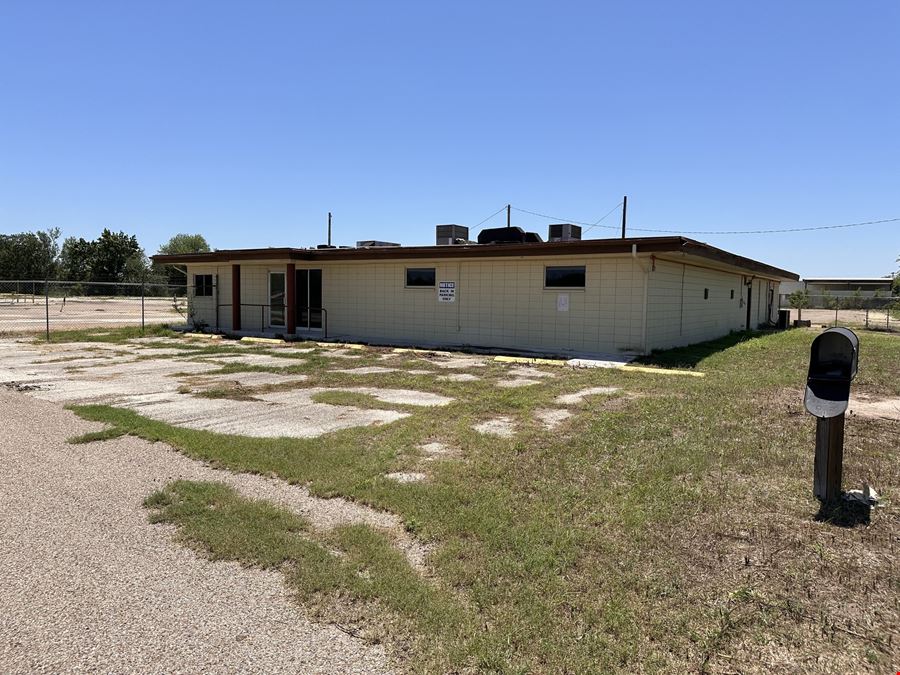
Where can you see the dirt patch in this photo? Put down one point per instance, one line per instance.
(552, 418)
(578, 396)
(436, 449)
(874, 408)
(501, 426)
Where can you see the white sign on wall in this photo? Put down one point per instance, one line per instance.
(446, 291)
(562, 302)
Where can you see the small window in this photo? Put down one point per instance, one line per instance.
(732, 294)
(564, 277)
(706, 294)
(203, 285)
(420, 277)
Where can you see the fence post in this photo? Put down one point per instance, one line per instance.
(142, 307)
(47, 307)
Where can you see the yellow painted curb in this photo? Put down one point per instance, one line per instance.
(340, 345)
(267, 341)
(207, 336)
(663, 371)
(525, 359)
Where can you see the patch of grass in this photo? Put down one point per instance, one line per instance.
(93, 436)
(672, 532)
(354, 399)
(111, 335)
(213, 519)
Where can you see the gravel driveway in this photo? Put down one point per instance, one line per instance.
(86, 584)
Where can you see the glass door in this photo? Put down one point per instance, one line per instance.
(309, 299)
(276, 298)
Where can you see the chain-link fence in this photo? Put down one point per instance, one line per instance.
(852, 310)
(30, 306)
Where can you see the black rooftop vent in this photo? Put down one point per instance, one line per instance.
(508, 235)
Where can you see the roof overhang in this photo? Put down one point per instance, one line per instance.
(632, 245)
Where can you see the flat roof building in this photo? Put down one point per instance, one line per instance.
(566, 296)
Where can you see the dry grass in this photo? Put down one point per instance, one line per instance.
(670, 528)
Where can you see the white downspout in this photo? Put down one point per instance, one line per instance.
(646, 271)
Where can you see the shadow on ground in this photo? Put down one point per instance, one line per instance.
(690, 356)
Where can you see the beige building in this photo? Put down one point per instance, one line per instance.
(594, 297)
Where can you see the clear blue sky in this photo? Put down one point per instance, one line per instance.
(248, 122)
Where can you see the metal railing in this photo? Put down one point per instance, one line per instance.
(267, 325)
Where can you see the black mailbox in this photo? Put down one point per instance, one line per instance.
(832, 366)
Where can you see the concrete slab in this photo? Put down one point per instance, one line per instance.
(458, 377)
(518, 382)
(501, 426)
(578, 397)
(529, 372)
(366, 370)
(550, 419)
(406, 476)
(266, 360)
(252, 379)
(283, 414)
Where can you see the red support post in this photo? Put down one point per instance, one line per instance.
(290, 283)
(235, 297)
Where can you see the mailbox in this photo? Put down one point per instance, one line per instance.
(832, 367)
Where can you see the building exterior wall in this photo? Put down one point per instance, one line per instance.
(498, 303)
(628, 304)
(687, 304)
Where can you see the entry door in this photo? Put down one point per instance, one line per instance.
(309, 299)
(276, 298)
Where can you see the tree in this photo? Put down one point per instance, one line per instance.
(896, 284)
(29, 255)
(832, 302)
(76, 259)
(176, 275)
(799, 300)
(117, 257)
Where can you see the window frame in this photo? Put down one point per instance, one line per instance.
(549, 287)
(407, 270)
(207, 288)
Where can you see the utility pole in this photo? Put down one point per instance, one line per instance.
(329, 228)
(509, 215)
(624, 213)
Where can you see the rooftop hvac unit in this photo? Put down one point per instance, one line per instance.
(374, 243)
(447, 235)
(564, 232)
(508, 235)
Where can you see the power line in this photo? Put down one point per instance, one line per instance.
(611, 211)
(495, 213)
(767, 231)
(772, 231)
(568, 220)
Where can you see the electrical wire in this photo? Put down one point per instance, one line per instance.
(495, 213)
(767, 231)
(772, 231)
